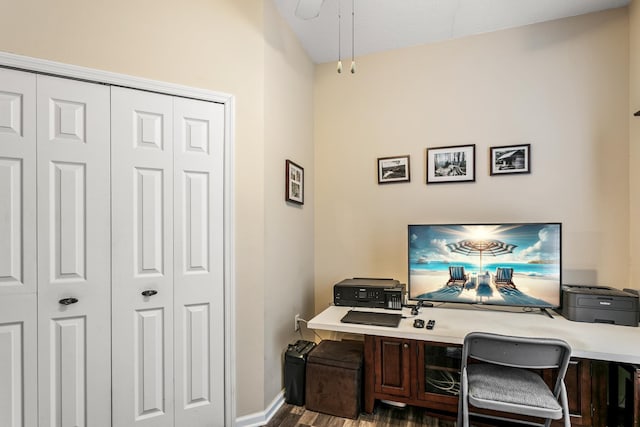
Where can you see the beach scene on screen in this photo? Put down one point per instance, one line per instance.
(505, 264)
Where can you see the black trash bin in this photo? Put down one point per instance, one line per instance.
(295, 364)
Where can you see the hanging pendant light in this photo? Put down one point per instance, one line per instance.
(339, 67)
(353, 32)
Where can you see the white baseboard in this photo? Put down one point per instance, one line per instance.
(261, 418)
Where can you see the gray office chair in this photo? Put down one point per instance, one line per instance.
(501, 380)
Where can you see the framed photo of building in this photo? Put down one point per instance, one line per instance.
(294, 183)
(451, 164)
(393, 169)
(510, 159)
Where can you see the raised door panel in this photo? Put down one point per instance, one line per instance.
(73, 253)
(198, 270)
(393, 367)
(18, 361)
(17, 183)
(142, 213)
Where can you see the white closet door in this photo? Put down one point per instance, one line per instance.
(198, 260)
(18, 361)
(18, 339)
(17, 182)
(73, 253)
(142, 185)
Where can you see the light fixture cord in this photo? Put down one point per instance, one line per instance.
(339, 68)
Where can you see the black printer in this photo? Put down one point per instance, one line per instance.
(599, 304)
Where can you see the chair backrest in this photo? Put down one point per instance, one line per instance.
(519, 352)
(456, 273)
(504, 274)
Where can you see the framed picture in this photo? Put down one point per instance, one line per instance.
(294, 183)
(451, 164)
(393, 169)
(510, 159)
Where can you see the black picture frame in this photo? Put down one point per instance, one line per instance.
(510, 159)
(294, 183)
(456, 163)
(394, 169)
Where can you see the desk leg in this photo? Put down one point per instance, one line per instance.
(369, 373)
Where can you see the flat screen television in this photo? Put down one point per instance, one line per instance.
(515, 264)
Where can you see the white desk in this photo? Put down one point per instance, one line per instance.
(594, 341)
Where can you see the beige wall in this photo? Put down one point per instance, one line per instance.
(561, 86)
(289, 286)
(218, 45)
(634, 140)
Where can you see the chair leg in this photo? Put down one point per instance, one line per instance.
(463, 406)
(459, 420)
(565, 408)
(565, 405)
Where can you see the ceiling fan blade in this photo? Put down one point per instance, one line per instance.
(308, 9)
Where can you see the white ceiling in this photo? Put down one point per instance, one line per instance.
(391, 24)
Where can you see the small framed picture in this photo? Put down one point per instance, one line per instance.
(294, 183)
(451, 164)
(510, 159)
(393, 169)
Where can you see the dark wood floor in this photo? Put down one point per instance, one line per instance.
(382, 416)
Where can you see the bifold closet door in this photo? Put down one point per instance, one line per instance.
(74, 313)
(168, 312)
(198, 260)
(18, 321)
(142, 215)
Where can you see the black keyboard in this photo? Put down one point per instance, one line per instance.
(390, 320)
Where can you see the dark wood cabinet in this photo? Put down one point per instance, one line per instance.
(412, 372)
(427, 374)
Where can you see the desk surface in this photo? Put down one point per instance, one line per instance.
(588, 340)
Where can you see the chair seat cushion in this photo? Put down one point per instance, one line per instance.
(510, 389)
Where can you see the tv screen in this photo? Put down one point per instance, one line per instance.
(499, 264)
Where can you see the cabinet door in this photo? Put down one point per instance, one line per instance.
(393, 366)
(198, 263)
(18, 339)
(586, 382)
(142, 191)
(74, 370)
(438, 374)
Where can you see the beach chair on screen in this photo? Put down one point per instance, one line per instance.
(457, 275)
(504, 277)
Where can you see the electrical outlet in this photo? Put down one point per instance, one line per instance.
(296, 325)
